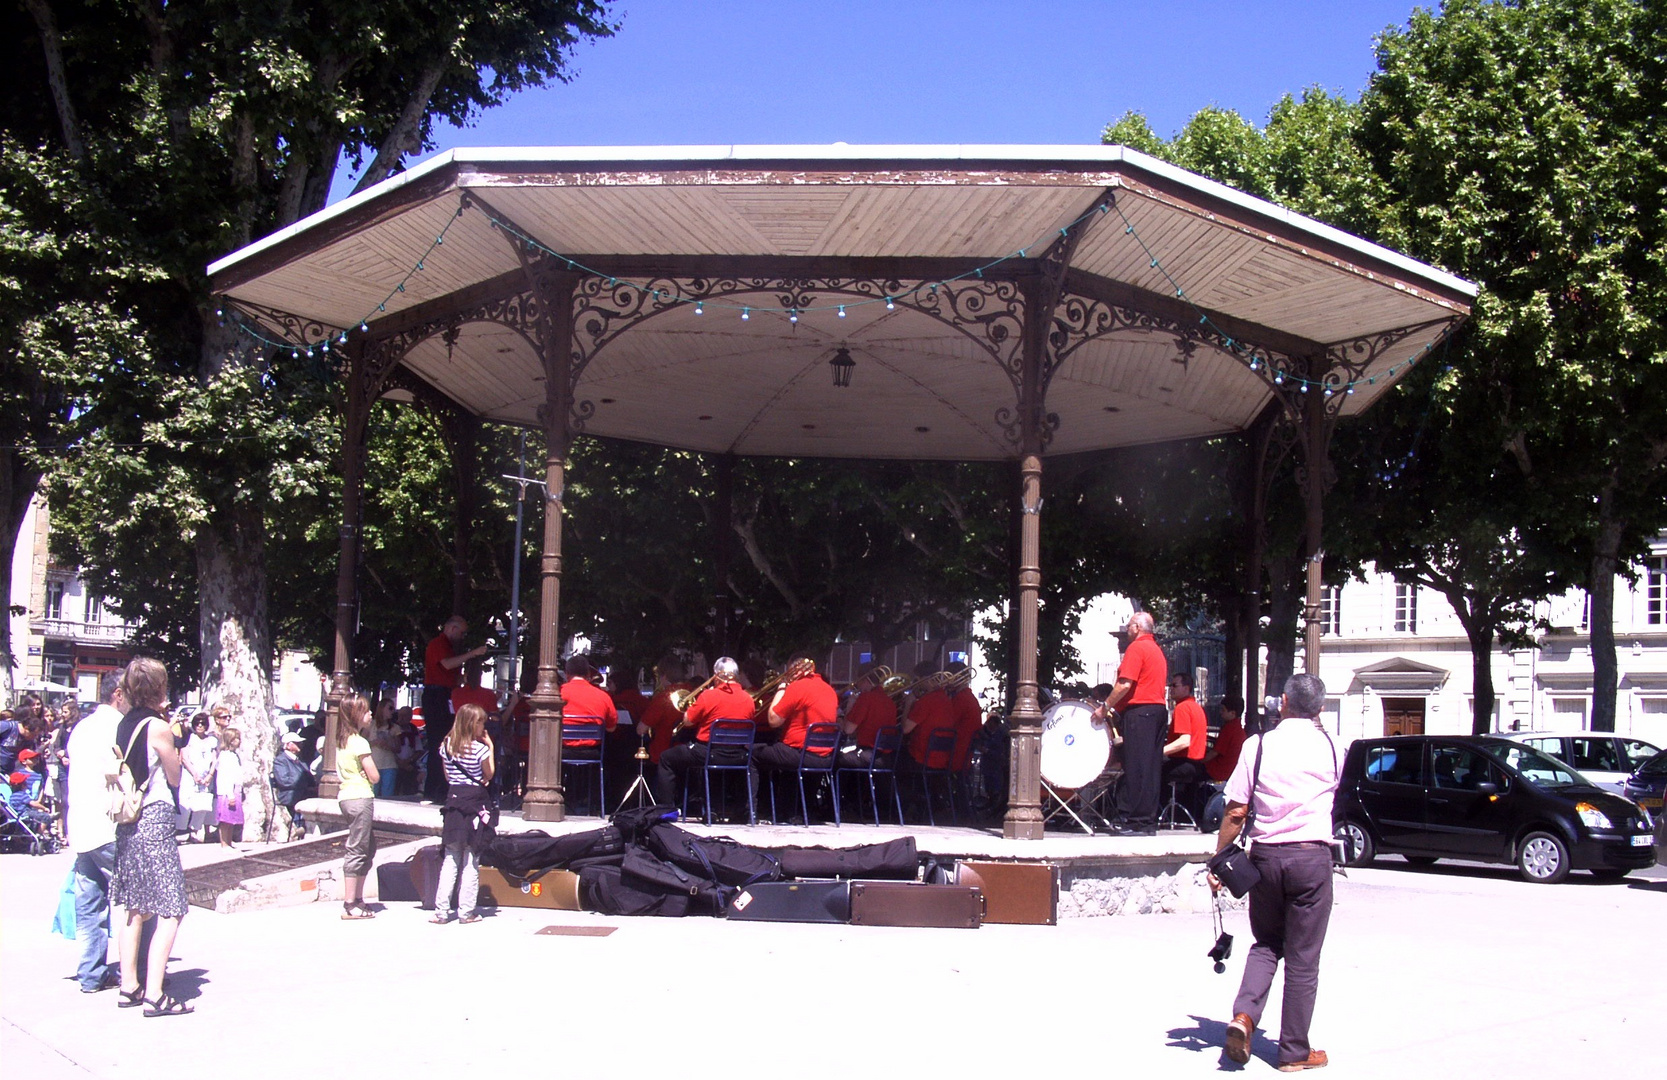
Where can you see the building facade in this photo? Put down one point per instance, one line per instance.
(1397, 661)
(63, 635)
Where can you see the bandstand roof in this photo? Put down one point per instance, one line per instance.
(1171, 286)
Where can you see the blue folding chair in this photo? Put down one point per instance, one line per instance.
(820, 754)
(575, 733)
(940, 755)
(735, 739)
(888, 743)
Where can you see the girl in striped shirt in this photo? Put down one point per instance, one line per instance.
(466, 755)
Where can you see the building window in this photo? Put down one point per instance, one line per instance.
(1568, 714)
(1330, 610)
(54, 599)
(1655, 590)
(95, 609)
(1406, 608)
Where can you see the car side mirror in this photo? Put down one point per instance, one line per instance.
(1487, 787)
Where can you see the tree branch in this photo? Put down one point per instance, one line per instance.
(162, 62)
(51, 44)
(405, 136)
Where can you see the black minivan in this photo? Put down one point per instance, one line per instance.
(1483, 799)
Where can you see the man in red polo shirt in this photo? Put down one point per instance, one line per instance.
(1224, 754)
(969, 715)
(723, 700)
(442, 665)
(660, 718)
(1189, 736)
(1138, 696)
(805, 698)
(872, 712)
(931, 712)
(582, 699)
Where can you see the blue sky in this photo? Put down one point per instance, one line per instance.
(932, 71)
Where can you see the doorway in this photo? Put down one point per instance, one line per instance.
(1403, 716)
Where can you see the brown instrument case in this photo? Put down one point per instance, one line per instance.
(1022, 893)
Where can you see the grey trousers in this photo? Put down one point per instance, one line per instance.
(1289, 911)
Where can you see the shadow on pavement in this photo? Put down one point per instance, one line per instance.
(1207, 1034)
(187, 984)
(1494, 871)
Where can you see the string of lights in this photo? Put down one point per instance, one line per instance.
(1240, 349)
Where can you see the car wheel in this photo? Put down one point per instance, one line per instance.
(1357, 842)
(1420, 860)
(1542, 858)
(1611, 873)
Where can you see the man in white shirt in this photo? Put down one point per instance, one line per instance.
(92, 835)
(1290, 836)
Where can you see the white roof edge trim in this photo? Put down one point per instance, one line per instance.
(392, 183)
(1086, 154)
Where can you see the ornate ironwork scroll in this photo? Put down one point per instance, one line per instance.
(297, 331)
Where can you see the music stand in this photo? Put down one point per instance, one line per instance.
(639, 788)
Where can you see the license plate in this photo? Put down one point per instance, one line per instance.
(1642, 841)
(1653, 804)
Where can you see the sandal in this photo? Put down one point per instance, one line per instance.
(469, 918)
(440, 920)
(356, 911)
(167, 1005)
(130, 999)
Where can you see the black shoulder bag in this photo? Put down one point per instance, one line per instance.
(1231, 865)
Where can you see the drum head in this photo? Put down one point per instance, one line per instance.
(1074, 748)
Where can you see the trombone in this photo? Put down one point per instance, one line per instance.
(775, 680)
(682, 699)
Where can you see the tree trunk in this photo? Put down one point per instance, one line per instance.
(1284, 608)
(1481, 674)
(237, 654)
(18, 481)
(1606, 562)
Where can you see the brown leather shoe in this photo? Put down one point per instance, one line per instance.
(1238, 1037)
(1316, 1059)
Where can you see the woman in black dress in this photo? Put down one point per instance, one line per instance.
(149, 881)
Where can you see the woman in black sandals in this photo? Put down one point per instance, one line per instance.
(356, 796)
(148, 881)
(466, 753)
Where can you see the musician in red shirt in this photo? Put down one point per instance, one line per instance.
(803, 699)
(660, 718)
(873, 711)
(1138, 695)
(1224, 755)
(582, 699)
(1189, 736)
(969, 715)
(622, 687)
(723, 700)
(930, 712)
(441, 664)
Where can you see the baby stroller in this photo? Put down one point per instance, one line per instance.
(28, 830)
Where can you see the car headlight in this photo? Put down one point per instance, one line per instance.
(1592, 817)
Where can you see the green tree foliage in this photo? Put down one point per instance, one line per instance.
(1521, 144)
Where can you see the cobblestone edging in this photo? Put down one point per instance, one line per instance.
(1154, 891)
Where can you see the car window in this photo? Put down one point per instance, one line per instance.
(1638, 751)
(1461, 768)
(1596, 752)
(1554, 747)
(1534, 766)
(1395, 764)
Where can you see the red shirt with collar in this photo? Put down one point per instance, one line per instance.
(583, 700)
(806, 701)
(725, 701)
(474, 695)
(931, 712)
(436, 673)
(1189, 720)
(870, 714)
(662, 719)
(1229, 742)
(969, 720)
(1145, 666)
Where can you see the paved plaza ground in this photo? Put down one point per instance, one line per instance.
(1446, 971)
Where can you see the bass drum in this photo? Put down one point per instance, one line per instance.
(1075, 749)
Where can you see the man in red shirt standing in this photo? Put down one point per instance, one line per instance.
(1189, 736)
(441, 669)
(805, 698)
(1138, 695)
(872, 712)
(723, 700)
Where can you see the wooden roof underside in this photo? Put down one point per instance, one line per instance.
(763, 233)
